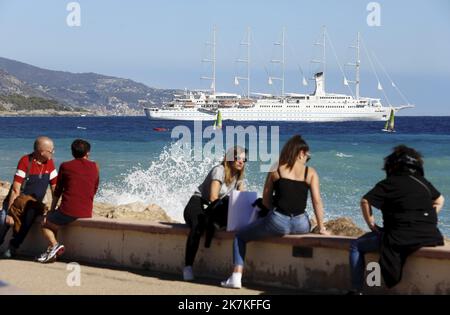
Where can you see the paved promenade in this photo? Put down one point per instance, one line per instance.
(33, 278)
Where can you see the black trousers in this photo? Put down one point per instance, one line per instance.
(195, 217)
(202, 217)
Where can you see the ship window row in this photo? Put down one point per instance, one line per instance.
(323, 106)
(334, 97)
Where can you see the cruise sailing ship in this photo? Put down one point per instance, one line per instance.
(319, 106)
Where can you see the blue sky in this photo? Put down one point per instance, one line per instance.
(161, 42)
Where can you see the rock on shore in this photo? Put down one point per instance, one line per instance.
(341, 226)
(136, 211)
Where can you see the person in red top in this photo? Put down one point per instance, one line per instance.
(35, 172)
(77, 184)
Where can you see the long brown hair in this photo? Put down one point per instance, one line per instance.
(228, 161)
(291, 151)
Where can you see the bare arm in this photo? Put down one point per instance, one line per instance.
(55, 197)
(57, 190)
(268, 192)
(215, 190)
(366, 209)
(241, 186)
(15, 192)
(317, 201)
(439, 203)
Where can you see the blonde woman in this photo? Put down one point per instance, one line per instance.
(285, 192)
(208, 202)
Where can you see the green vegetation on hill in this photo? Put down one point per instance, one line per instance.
(20, 102)
(86, 90)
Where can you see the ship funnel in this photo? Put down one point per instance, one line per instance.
(320, 84)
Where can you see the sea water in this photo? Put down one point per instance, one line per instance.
(138, 164)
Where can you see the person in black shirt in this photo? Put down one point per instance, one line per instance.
(409, 205)
(285, 194)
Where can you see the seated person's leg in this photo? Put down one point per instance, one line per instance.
(367, 243)
(50, 226)
(269, 226)
(27, 222)
(5, 222)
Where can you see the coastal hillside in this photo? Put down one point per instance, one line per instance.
(10, 84)
(92, 91)
(17, 96)
(17, 102)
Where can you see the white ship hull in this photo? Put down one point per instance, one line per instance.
(319, 106)
(251, 114)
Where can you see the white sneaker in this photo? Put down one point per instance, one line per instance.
(233, 282)
(51, 254)
(188, 274)
(43, 257)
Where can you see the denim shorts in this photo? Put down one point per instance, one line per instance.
(59, 218)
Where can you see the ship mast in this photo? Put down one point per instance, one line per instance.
(324, 51)
(247, 61)
(282, 62)
(323, 61)
(213, 61)
(357, 66)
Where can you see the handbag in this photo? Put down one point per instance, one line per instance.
(22, 187)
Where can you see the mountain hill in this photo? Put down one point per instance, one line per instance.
(86, 90)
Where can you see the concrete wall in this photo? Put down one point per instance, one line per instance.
(305, 262)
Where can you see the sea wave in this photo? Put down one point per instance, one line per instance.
(343, 155)
(169, 181)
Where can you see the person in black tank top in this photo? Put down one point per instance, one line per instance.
(290, 196)
(285, 193)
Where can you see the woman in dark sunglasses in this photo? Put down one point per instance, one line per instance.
(285, 193)
(209, 204)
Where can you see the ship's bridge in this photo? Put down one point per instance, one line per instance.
(225, 96)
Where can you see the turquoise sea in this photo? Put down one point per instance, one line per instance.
(138, 163)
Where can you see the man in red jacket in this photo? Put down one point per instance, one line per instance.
(77, 184)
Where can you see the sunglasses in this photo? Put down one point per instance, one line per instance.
(308, 157)
(240, 159)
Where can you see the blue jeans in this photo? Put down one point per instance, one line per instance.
(274, 224)
(368, 243)
(3, 226)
